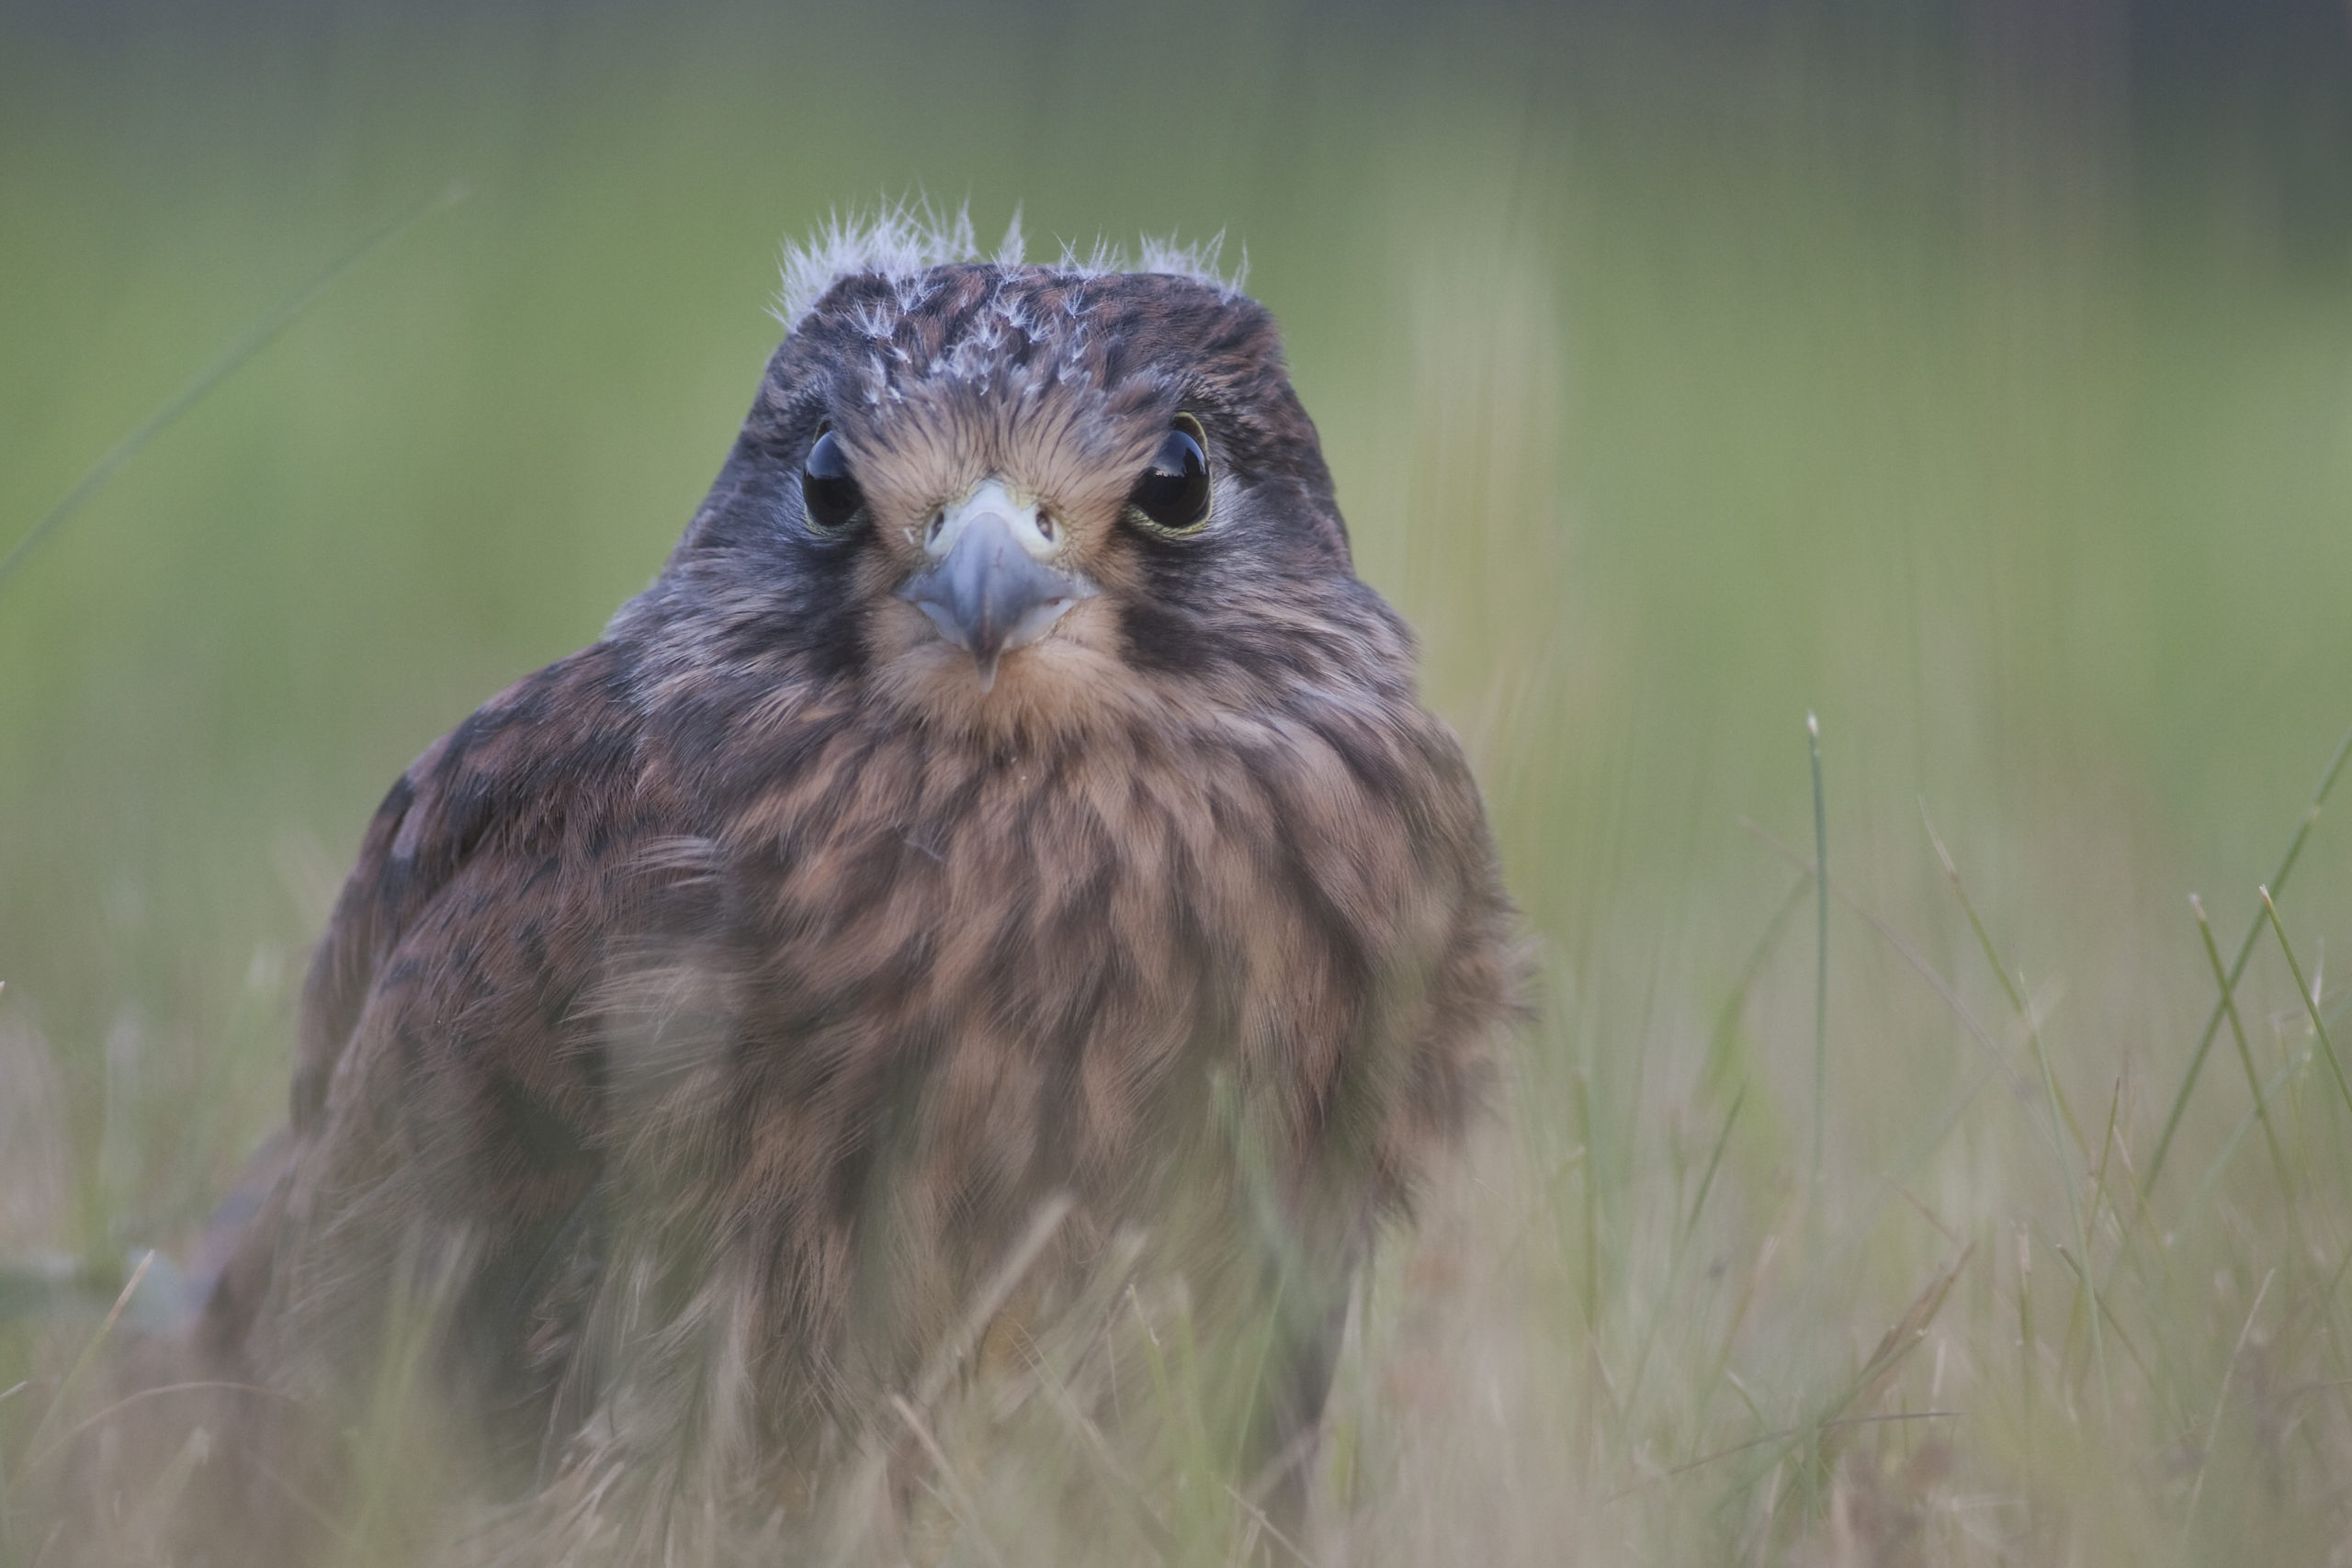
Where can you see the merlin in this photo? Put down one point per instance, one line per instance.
(1002, 849)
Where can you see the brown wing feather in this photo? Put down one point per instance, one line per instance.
(443, 1071)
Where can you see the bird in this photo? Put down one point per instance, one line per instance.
(1002, 854)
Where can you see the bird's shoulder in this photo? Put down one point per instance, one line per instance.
(484, 840)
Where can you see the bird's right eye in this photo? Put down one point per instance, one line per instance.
(1172, 496)
(828, 489)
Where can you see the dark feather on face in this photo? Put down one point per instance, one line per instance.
(978, 820)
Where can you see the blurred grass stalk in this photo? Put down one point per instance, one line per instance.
(225, 363)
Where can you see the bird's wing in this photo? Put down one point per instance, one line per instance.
(434, 1062)
(519, 804)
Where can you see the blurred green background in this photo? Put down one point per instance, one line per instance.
(1977, 375)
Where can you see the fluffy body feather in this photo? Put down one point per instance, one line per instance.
(708, 1014)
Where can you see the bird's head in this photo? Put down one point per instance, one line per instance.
(1007, 498)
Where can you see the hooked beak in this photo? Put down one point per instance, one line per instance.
(989, 589)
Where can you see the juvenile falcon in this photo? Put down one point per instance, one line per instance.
(1005, 830)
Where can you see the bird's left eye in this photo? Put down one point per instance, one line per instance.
(828, 489)
(1173, 497)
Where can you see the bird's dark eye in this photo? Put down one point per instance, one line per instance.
(827, 489)
(1173, 497)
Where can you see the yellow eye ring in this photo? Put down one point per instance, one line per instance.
(1172, 496)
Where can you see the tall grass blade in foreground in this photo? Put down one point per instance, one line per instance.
(2246, 1056)
(2309, 998)
(2245, 951)
(2060, 1117)
(1821, 969)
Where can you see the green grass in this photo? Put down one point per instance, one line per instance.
(1672, 402)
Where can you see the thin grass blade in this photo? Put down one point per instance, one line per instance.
(225, 363)
(2246, 1056)
(2245, 952)
(2310, 1002)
